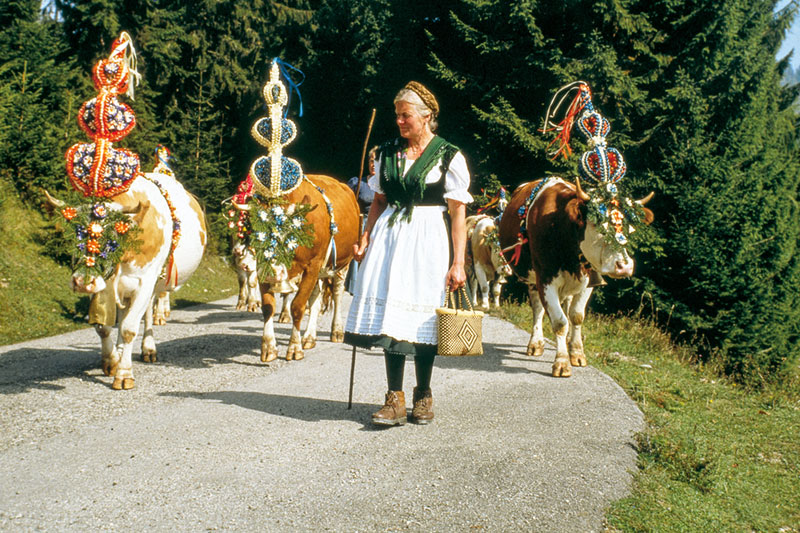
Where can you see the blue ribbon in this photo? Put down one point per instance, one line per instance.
(286, 69)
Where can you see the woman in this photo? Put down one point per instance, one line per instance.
(410, 251)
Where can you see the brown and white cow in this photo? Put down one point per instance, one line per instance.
(486, 266)
(128, 294)
(244, 263)
(315, 262)
(561, 249)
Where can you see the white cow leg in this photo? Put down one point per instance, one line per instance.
(497, 286)
(337, 325)
(110, 358)
(560, 324)
(473, 288)
(253, 294)
(286, 316)
(269, 348)
(162, 309)
(244, 290)
(148, 341)
(480, 273)
(536, 343)
(315, 305)
(577, 314)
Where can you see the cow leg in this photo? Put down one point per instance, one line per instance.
(110, 357)
(286, 316)
(536, 343)
(577, 313)
(337, 326)
(244, 290)
(307, 284)
(128, 328)
(497, 287)
(148, 341)
(560, 324)
(161, 309)
(269, 348)
(483, 281)
(315, 305)
(253, 301)
(473, 288)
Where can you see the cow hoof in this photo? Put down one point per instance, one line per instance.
(577, 359)
(536, 349)
(309, 343)
(109, 368)
(122, 384)
(241, 307)
(337, 336)
(561, 369)
(254, 308)
(295, 352)
(270, 354)
(149, 357)
(160, 321)
(284, 319)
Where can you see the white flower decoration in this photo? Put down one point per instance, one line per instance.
(262, 215)
(611, 188)
(269, 253)
(621, 238)
(261, 236)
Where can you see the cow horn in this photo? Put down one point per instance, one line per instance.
(241, 207)
(581, 195)
(55, 202)
(646, 199)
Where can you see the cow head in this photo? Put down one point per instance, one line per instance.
(499, 263)
(93, 245)
(244, 258)
(610, 259)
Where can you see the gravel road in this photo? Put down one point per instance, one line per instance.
(213, 439)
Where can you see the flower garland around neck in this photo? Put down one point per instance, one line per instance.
(274, 229)
(98, 236)
(616, 217)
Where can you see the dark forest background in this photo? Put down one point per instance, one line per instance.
(691, 87)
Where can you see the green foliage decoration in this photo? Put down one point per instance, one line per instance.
(274, 229)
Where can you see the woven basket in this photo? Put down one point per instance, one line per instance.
(460, 330)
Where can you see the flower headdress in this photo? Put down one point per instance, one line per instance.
(615, 215)
(98, 170)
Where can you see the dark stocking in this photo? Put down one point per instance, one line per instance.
(395, 364)
(423, 367)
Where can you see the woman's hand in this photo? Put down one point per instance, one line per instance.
(361, 248)
(456, 277)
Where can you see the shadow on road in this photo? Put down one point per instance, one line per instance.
(296, 407)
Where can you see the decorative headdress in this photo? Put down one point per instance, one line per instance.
(602, 166)
(425, 95)
(98, 170)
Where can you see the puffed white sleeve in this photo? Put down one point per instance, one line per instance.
(456, 182)
(374, 181)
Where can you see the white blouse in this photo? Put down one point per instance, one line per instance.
(456, 181)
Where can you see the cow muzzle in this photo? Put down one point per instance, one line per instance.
(623, 268)
(91, 286)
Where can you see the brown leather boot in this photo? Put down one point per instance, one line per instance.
(393, 412)
(422, 413)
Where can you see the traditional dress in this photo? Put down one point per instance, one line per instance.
(401, 281)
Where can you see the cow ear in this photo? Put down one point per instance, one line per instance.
(648, 216)
(574, 211)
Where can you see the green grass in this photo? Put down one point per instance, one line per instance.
(35, 295)
(714, 457)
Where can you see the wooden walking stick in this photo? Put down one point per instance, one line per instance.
(358, 189)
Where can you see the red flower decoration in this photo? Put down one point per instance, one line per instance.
(90, 261)
(69, 213)
(122, 227)
(93, 247)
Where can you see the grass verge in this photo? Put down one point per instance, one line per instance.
(714, 457)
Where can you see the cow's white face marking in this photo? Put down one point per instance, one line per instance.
(603, 258)
(91, 286)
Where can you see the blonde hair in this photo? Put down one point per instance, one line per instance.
(411, 97)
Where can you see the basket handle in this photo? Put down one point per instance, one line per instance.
(452, 301)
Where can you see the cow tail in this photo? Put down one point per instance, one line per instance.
(327, 292)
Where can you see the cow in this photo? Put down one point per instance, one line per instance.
(486, 265)
(244, 263)
(328, 258)
(555, 257)
(128, 294)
